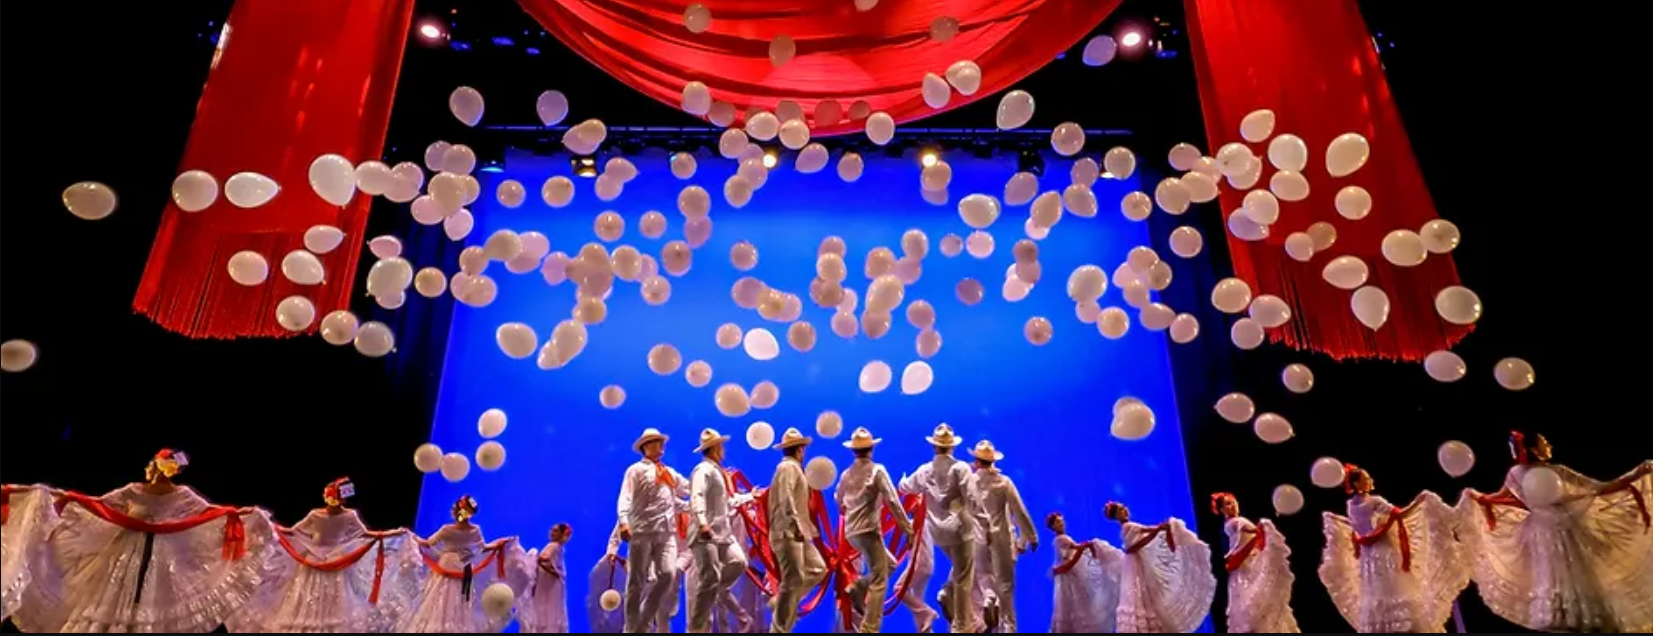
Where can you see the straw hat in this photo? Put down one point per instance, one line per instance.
(984, 451)
(793, 438)
(708, 439)
(862, 439)
(649, 435)
(944, 437)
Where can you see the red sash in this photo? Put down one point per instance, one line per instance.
(344, 562)
(235, 533)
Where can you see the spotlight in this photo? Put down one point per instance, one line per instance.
(430, 31)
(1131, 39)
(771, 157)
(1030, 161)
(585, 166)
(929, 156)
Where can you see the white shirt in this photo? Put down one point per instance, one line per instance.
(712, 502)
(789, 503)
(647, 505)
(1001, 508)
(862, 492)
(943, 483)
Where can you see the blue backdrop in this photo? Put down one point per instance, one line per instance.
(1048, 409)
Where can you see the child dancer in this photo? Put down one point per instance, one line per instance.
(1166, 585)
(1087, 582)
(1392, 570)
(1259, 572)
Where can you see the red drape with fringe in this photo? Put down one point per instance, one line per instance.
(879, 56)
(1314, 64)
(292, 80)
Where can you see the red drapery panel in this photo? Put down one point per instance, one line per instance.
(879, 56)
(1314, 64)
(292, 80)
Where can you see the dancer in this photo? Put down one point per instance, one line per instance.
(609, 575)
(28, 519)
(1582, 563)
(792, 532)
(720, 562)
(921, 565)
(1165, 585)
(152, 556)
(648, 506)
(1259, 572)
(863, 492)
(332, 575)
(1392, 570)
(1087, 582)
(751, 603)
(461, 564)
(944, 483)
(544, 608)
(1007, 530)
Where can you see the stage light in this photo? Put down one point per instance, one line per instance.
(771, 157)
(929, 156)
(1131, 39)
(430, 31)
(585, 166)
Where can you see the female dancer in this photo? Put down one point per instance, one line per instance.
(150, 557)
(28, 518)
(1166, 585)
(1259, 573)
(609, 575)
(1087, 582)
(1583, 563)
(1392, 570)
(332, 576)
(461, 564)
(544, 609)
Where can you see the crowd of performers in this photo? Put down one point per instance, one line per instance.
(157, 557)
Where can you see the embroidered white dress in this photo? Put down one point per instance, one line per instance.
(1380, 589)
(299, 599)
(1162, 590)
(543, 608)
(30, 517)
(1582, 565)
(1087, 595)
(445, 605)
(103, 579)
(1260, 579)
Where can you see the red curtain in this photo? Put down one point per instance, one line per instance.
(293, 79)
(879, 56)
(1314, 64)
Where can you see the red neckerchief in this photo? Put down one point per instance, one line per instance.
(663, 475)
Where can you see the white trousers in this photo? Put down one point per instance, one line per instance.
(923, 566)
(961, 580)
(879, 566)
(653, 553)
(718, 566)
(801, 569)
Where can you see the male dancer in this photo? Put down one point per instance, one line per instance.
(944, 483)
(792, 532)
(1002, 515)
(863, 491)
(647, 508)
(719, 561)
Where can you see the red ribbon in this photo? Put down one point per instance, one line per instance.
(346, 561)
(1170, 540)
(1490, 503)
(615, 563)
(496, 558)
(663, 476)
(1258, 542)
(235, 532)
(1405, 537)
(5, 503)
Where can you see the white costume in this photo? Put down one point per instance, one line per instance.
(459, 565)
(608, 574)
(792, 535)
(1394, 573)
(648, 503)
(945, 482)
(719, 560)
(922, 564)
(751, 603)
(1584, 564)
(1002, 516)
(1087, 593)
(863, 492)
(1165, 584)
(543, 608)
(351, 580)
(29, 519)
(1259, 579)
(131, 561)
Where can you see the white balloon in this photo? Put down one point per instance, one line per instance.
(1183, 156)
(1297, 378)
(17, 356)
(466, 105)
(1541, 487)
(761, 345)
(850, 167)
(1067, 139)
(383, 247)
(248, 268)
(812, 159)
(737, 191)
(936, 176)
(498, 598)
(1440, 236)
(492, 423)
(1157, 317)
(1300, 247)
(1327, 473)
(1099, 51)
(1186, 242)
(295, 313)
(374, 339)
(333, 179)
(1132, 421)
(880, 128)
(517, 340)
(1261, 207)
(585, 137)
(763, 126)
(1257, 125)
(1172, 196)
(1346, 154)
(917, 378)
(979, 210)
(455, 467)
(490, 457)
(1246, 334)
(1235, 159)
(610, 600)
(1288, 500)
(458, 226)
(875, 377)
(794, 134)
(302, 268)
(1015, 110)
(1136, 206)
(1185, 328)
(427, 458)
(1079, 200)
(1272, 429)
(1202, 188)
(1113, 323)
(1270, 311)
(250, 189)
(1288, 152)
(1345, 272)
(1514, 374)
(782, 49)
(195, 190)
(1236, 407)
(1231, 295)
(821, 472)
(732, 143)
(697, 99)
(965, 76)
(1458, 305)
(1456, 458)
(436, 156)
(697, 18)
(760, 436)
(1120, 162)
(1445, 366)
(339, 328)
(1404, 248)
(459, 160)
(552, 107)
(1289, 186)
(935, 91)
